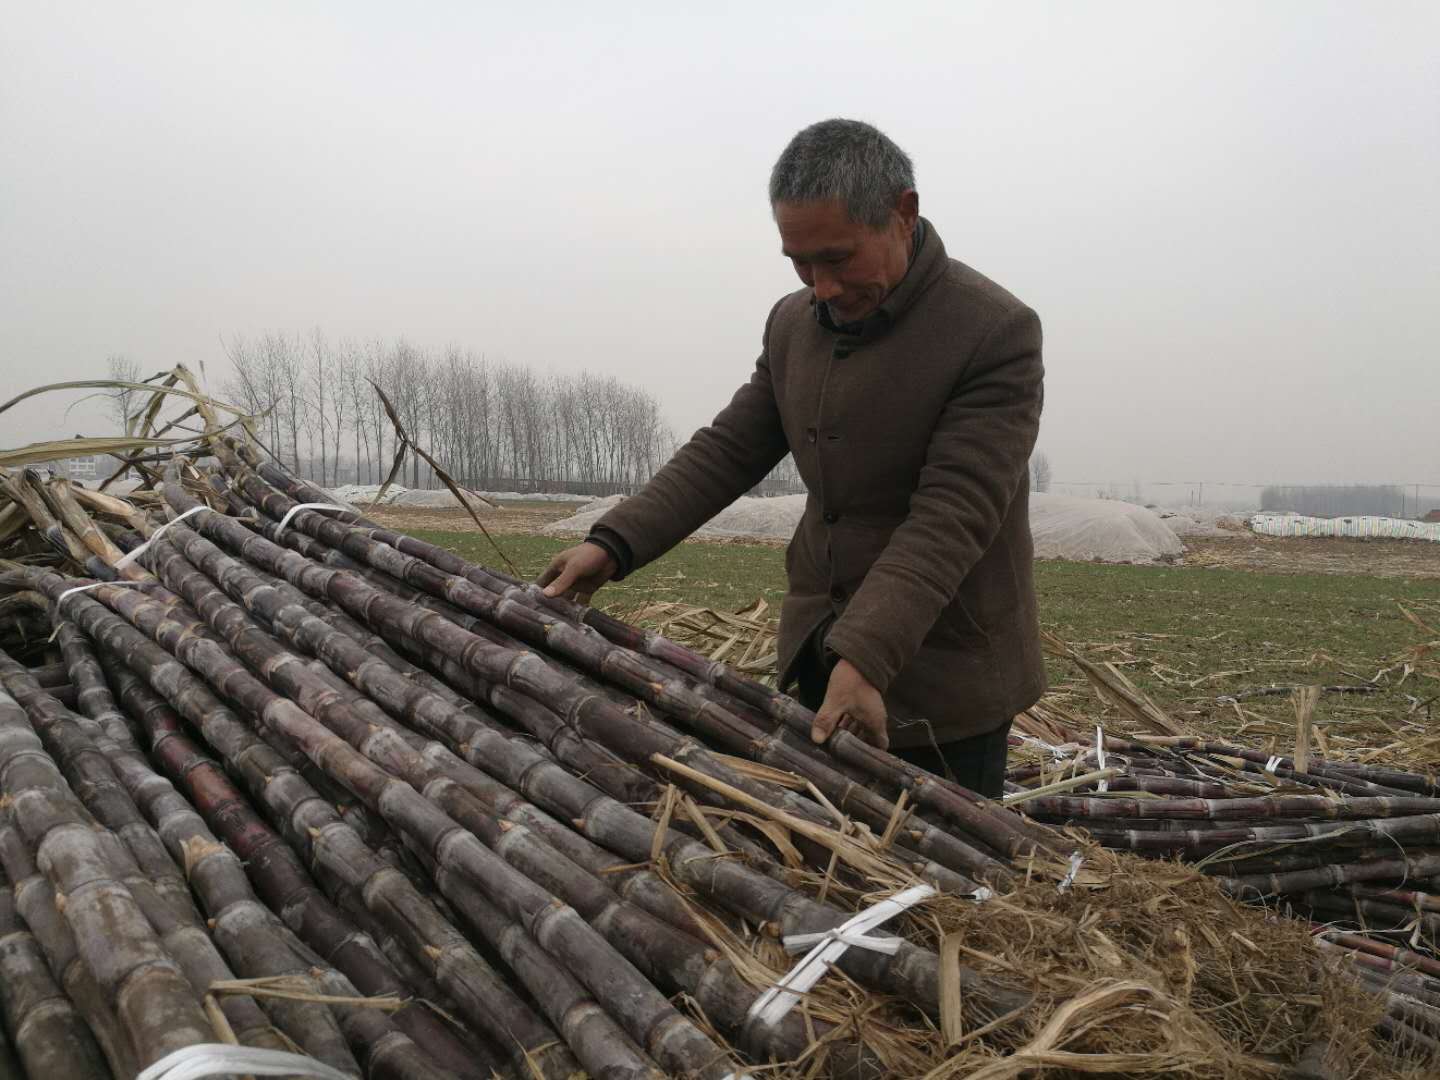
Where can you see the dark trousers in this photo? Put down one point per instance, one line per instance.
(977, 763)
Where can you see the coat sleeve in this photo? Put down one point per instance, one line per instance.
(720, 463)
(974, 465)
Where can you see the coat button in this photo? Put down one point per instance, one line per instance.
(811, 434)
(830, 517)
(837, 594)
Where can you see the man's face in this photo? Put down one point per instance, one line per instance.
(850, 267)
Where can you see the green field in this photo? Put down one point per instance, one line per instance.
(1184, 635)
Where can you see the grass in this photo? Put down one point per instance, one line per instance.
(1185, 635)
(1190, 635)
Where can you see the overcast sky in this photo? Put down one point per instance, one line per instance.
(1227, 214)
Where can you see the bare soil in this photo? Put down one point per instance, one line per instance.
(1316, 555)
(514, 518)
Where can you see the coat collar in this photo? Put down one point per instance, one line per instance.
(928, 261)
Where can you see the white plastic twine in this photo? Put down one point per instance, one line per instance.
(219, 1059)
(1104, 784)
(829, 945)
(96, 585)
(331, 508)
(87, 588)
(1056, 751)
(1076, 861)
(126, 560)
(1273, 764)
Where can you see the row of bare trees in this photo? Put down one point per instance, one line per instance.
(493, 424)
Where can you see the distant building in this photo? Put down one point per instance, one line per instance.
(89, 469)
(78, 468)
(1432, 516)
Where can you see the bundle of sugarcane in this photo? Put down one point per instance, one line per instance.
(534, 848)
(1348, 845)
(288, 779)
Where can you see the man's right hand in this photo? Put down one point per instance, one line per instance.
(578, 571)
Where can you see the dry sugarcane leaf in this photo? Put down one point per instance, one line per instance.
(850, 848)
(1111, 684)
(696, 814)
(445, 478)
(757, 771)
(120, 384)
(81, 446)
(1106, 1004)
(1305, 699)
(1419, 622)
(952, 1020)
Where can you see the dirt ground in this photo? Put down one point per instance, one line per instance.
(1316, 555)
(1243, 551)
(515, 518)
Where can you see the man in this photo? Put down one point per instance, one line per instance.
(908, 387)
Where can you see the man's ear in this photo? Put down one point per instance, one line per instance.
(908, 207)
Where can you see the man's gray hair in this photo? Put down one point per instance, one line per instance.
(846, 160)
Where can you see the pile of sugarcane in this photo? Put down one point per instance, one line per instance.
(277, 777)
(293, 780)
(1344, 844)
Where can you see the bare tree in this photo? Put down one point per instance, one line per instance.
(124, 402)
(1040, 474)
(492, 422)
(316, 396)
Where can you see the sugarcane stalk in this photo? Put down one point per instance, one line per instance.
(648, 831)
(1369, 913)
(149, 993)
(592, 697)
(26, 490)
(1322, 877)
(1243, 809)
(68, 510)
(386, 773)
(51, 1038)
(581, 755)
(285, 886)
(334, 560)
(471, 734)
(35, 901)
(252, 937)
(1375, 774)
(1420, 901)
(314, 827)
(912, 973)
(632, 673)
(1344, 785)
(674, 1041)
(1006, 833)
(939, 874)
(941, 852)
(1307, 858)
(48, 675)
(142, 864)
(1395, 977)
(1394, 954)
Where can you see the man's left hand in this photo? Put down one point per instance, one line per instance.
(851, 704)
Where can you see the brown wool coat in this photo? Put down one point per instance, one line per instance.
(913, 439)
